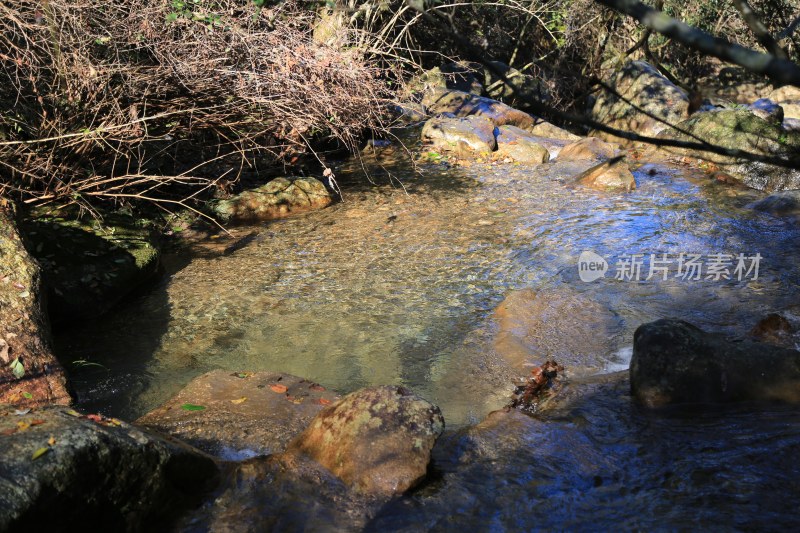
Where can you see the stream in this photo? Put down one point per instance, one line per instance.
(400, 284)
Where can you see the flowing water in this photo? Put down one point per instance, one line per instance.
(399, 284)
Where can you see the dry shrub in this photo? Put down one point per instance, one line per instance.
(146, 97)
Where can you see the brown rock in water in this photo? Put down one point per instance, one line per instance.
(775, 329)
(377, 440)
(676, 362)
(520, 146)
(280, 198)
(30, 375)
(462, 135)
(240, 414)
(610, 176)
(588, 149)
(560, 324)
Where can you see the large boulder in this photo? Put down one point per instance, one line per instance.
(240, 414)
(645, 88)
(610, 176)
(740, 129)
(460, 134)
(788, 97)
(520, 145)
(558, 324)
(588, 149)
(779, 204)
(280, 198)
(29, 372)
(542, 128)
(60, 471)
(463, 104)
(377, 440)
(90, 264)
(676, 362)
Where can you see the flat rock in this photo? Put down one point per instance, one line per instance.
(588, 149)
(473, 134)
(240, 414)
(463, 104)
(60, 471)
(377, 440)
(280, 198)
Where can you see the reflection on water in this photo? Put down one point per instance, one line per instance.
(398, 284)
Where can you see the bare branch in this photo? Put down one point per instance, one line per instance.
(780, 71)
(759, 30)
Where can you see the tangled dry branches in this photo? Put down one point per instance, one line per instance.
(148, 97)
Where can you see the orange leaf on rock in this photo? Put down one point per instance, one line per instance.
(277, 387)
(324, 401)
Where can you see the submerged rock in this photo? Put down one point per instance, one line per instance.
(555, 324)
(780, 329)
(588, 149)
(520, 146)
(610, 176)
(377, 440)
(464, 134)
(240, 414)
(645, 88)
(60, 471)
(280, 198)
(740, 129)
(29, 372)
(88, 264)
(779, 204)
(676, 362)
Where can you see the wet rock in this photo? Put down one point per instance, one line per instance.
(588, 149)
(779, 204)
(642, 85)
(676, 362)
(460, 134)
(240, 414)
(780, 329)
(30, 375)
(463, 104)
(610, 176)
(520, 146)
(60, 471)
(740, 129)
(280, 198)
(556, 324)
(89, 265)
(377, 440)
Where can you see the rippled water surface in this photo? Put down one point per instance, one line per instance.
(399, 283)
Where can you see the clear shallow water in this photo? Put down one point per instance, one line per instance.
(399, 284)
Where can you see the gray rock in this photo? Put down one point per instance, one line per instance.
(767, 109)
(463, 104)
(377, 440)
(780, 204)
(643, 86)
(243, 414)
(460, 134)
(676, 362)
(62, 471)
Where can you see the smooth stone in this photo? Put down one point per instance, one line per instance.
(610, 176)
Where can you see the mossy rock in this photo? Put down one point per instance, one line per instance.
(280, 198)
(740, 129)
(89, 264)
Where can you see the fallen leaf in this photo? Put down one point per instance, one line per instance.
(21, 412)
(51, 441)
(114, 422)
(323, 401)
(40, 452)
(317, 387)
(192, 407)
(4, 351)
(27, 395)
(17, 369)
(22, 426)
(294, 399)
(277, 387)
(73, 412)
(243, 375)
(8, 431)
(95, 418)
(239, 400)
(37, 422)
